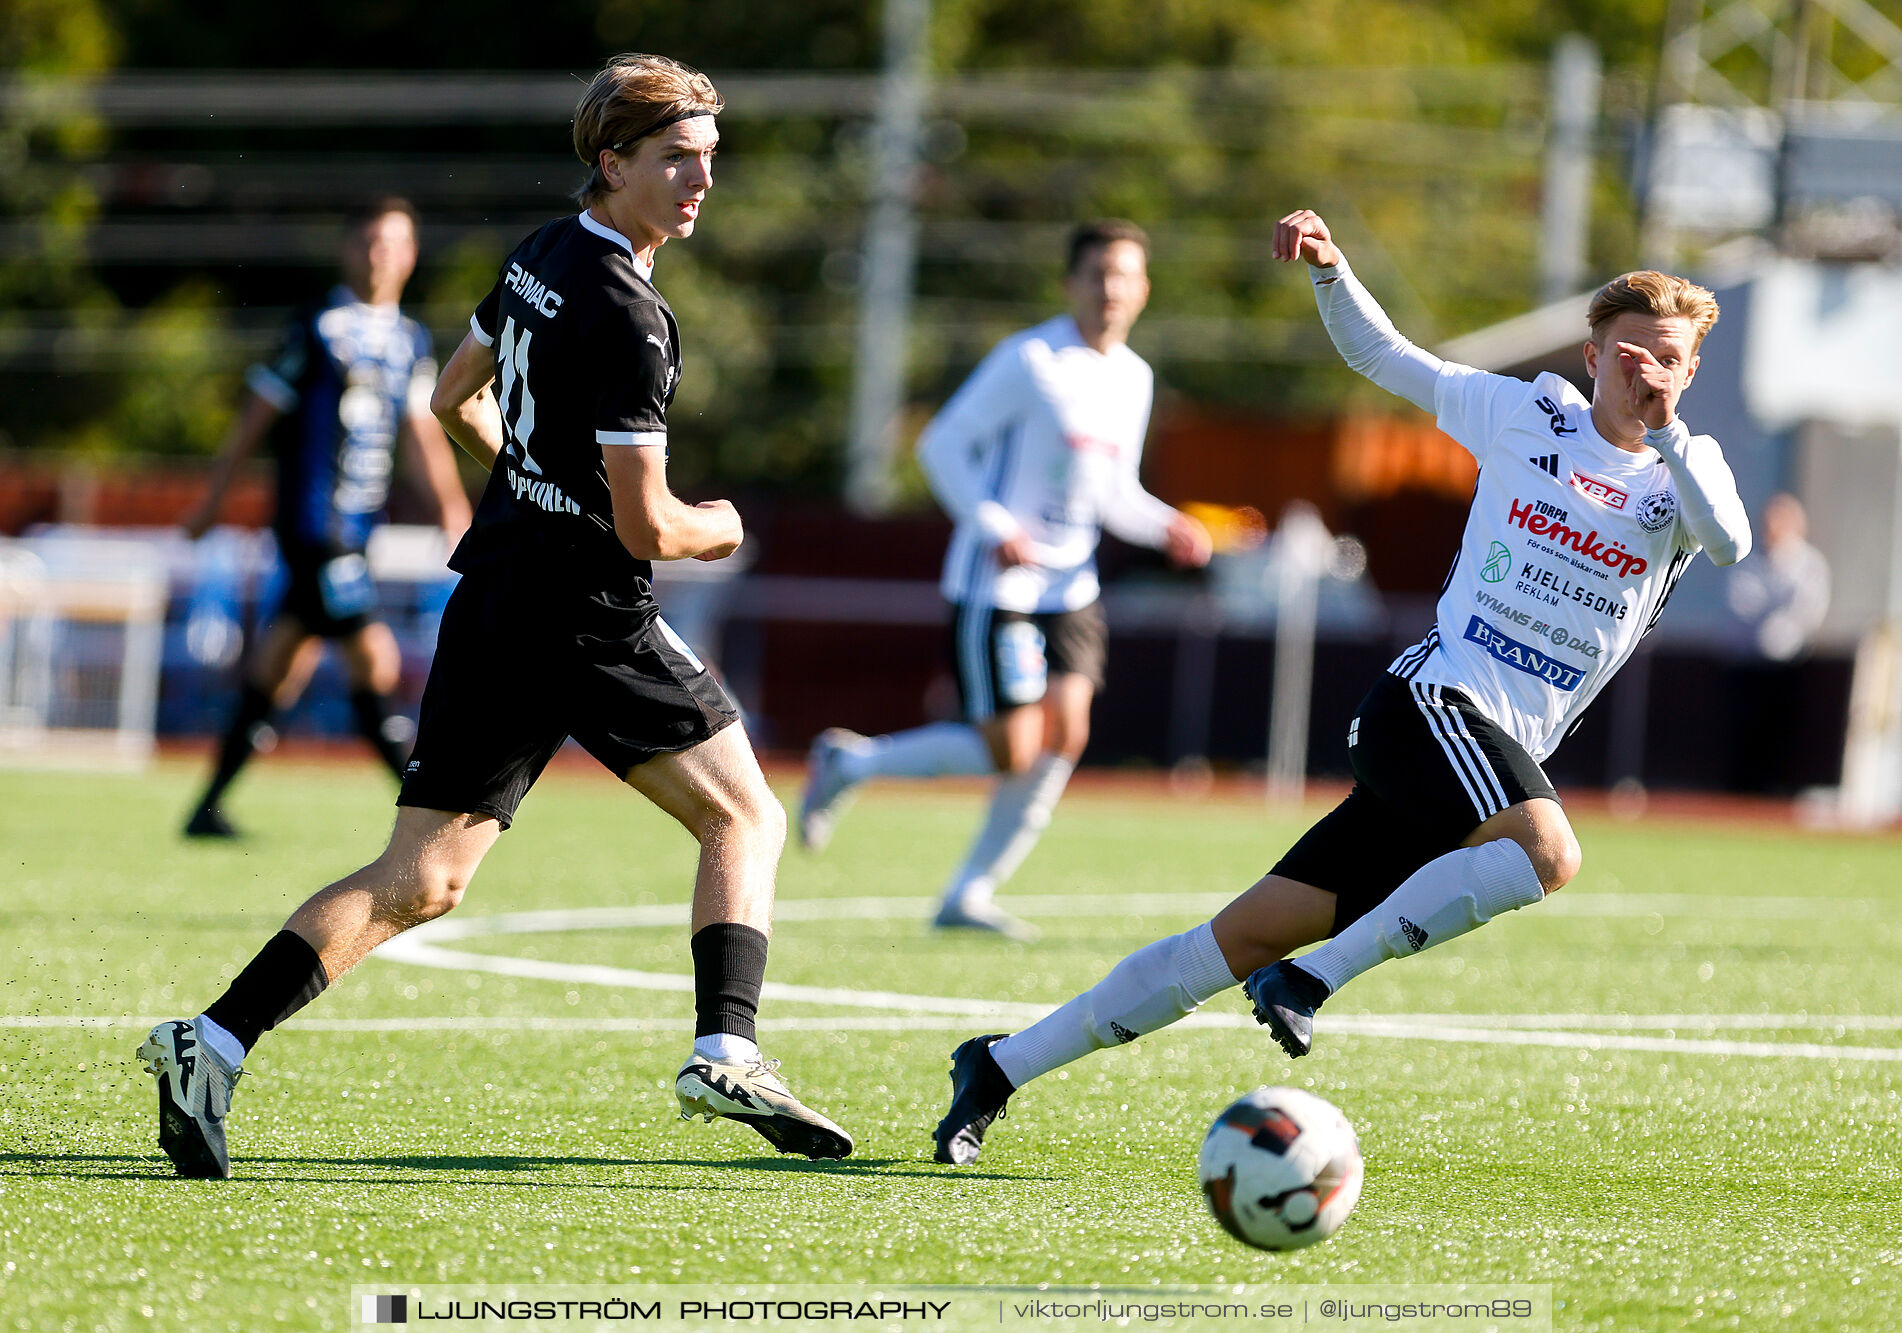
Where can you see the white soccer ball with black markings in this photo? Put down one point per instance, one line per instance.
(1281, 1169)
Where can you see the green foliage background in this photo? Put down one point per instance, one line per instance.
(1418, 128)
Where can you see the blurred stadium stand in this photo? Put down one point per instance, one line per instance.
(243, 177)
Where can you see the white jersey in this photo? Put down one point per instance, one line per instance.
(1043, 439)
(1571, 548)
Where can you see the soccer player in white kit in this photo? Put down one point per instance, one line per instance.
(1585, 516)
(1032, 458)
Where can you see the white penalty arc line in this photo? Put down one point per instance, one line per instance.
(424, 947)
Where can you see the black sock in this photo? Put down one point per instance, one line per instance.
(729, 967)
(249, 731)
(286, 975)
(388, 732)
(993, 1084)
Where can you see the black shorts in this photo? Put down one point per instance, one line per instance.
(1004, 659)
(518, 670)
(1429, 768)
(329, 592)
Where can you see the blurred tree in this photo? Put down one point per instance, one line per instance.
(46, 203)
(1417, 128)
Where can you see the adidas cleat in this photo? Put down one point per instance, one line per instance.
(194, 1088)
(987, 918)
(979, 1092)
(1285, 999)
(752, 1093)
(826, 787)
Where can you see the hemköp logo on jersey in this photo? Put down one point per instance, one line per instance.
(1523, 656)
(1549, 521)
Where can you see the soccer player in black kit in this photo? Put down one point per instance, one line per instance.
(562, 386)
(348, 387)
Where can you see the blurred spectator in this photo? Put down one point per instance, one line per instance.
(1781, 596)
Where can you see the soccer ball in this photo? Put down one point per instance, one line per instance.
(1281, 1169)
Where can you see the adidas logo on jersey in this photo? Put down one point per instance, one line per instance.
(1123, 1034)
(1415, 936)
(1546, 463)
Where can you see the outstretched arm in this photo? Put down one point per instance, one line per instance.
(1136, 516)
(1365, 337)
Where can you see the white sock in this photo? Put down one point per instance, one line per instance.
(1442, 900)
(1150, 989)
(725, 1048)
(220, 1041)
(1020, 811)
(936, 750)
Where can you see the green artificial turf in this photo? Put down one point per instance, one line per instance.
(527, 1134)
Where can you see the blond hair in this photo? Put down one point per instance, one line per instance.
(1661, 295)
(632, 97)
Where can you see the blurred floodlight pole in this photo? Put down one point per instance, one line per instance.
(1568, 167)
(1302, 545)
(889, 257)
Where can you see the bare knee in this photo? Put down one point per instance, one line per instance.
(1540, 827)
(1558, 861)
(771, 821)
(1554, 861)
(435, 893)
(1015, 738)
(750, 811)
(1553, 850)
(417, 893)
(1070, 741)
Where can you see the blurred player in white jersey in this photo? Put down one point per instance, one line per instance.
(1585, 515)
(1032, 458)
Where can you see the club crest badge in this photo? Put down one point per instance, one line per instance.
(1656, 511)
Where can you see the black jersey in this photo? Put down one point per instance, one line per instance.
(586, 356)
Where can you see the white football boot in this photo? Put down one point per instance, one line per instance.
(751, 1092)
(194, 1088)
(826, 786)
(985, 916)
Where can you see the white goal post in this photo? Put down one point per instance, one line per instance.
(82, 628)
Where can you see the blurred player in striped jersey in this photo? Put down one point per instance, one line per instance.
(1032, 458)
(353, 376)
(1586, 514)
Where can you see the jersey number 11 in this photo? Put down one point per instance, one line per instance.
(514, 359)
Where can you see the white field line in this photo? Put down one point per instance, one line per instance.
(1344, 1024)
(1398, 1027)
(422, 947)
(1066, 907)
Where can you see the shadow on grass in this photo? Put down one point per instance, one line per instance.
(126, 1166)
(851, 1166)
